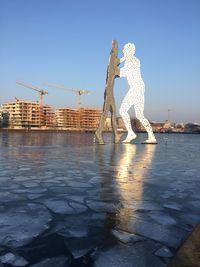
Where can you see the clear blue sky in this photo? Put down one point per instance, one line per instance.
(68, 42)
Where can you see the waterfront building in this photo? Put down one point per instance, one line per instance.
(78, 119)
(28, 114)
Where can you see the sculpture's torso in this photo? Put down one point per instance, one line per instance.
(131, 71)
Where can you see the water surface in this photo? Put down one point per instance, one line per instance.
(95, 203)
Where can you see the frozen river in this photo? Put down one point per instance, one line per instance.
(65, 201)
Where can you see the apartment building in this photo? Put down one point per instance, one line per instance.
(78, 119)
(28, 114)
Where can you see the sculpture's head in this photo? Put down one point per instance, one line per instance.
(129, 49)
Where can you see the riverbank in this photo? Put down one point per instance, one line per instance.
(75, 130)
(189, 253)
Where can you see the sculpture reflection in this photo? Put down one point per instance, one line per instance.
(132, 168)
(132, 172)
(123, 170)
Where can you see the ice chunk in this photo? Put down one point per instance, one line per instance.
(77, 198)
(78, 231)
(142, 205)
(9, 197)
(49, 173)
(79, 184)
(98, 216)
(59, 206)
(190, 218)
(37, 190)
(126, 237)
(34, 196)
(21, 178)
(102, 206)
(162, 218)
(95, 180)
(13, 259)
(173, 205)
(19, 225)
(61, 261)
(24, 169)
(139, 255)
(87, 161)
(164, 252)
(172, 236)
(78, 208)
(194, 205)
(30, 184)
(80, 252)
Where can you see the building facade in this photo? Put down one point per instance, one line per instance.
(78, 119)
(27, 114)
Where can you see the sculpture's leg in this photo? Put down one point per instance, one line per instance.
(139, 112)
(123, 111)
(114, 121)
(98, 133)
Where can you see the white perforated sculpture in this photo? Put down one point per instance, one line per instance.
(135, 95)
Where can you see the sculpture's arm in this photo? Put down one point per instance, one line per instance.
(116, 68)
(122, 72)
(122, 59)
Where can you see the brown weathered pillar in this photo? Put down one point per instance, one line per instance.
(109, 100)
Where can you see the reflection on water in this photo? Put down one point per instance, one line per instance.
(87, 189)
(132, 168)
(36, 145)
(128, 166)
(44, 138)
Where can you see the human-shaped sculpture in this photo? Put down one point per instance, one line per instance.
(135, 95)
(109, 100)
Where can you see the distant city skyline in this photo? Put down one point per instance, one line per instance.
(68, 42)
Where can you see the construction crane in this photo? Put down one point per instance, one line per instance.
(41, 94)
(39, 90)
(77, 91)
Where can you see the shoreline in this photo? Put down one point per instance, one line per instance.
(89, 131)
